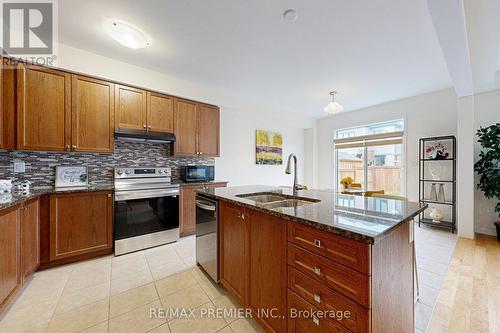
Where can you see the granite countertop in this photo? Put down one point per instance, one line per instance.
(365, 219)
(183, 183)
(17, 197)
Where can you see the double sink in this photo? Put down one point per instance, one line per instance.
(272, 200)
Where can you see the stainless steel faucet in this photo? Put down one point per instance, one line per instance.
(296, 187)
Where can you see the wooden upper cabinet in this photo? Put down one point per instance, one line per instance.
(9, 254)
(8, 106)
(208, 130)
(80, 223)
(160, 113)
(185, 128)
(196, 129)
(43, 109)
(93, 122)
(130, 108)
(30, 239)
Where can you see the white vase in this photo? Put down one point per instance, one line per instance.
(436, 215)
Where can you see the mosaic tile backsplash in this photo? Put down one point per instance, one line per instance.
(40, 166)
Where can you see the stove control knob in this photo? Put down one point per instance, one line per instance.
(119, 172)
(128, 172)
(160, 171)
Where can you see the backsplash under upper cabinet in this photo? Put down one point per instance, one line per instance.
(40, 166)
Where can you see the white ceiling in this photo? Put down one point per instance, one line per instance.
(371, 51)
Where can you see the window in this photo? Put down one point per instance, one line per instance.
(371, 156)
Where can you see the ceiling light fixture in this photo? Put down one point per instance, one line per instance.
(290, 15)
(333, 107)
(126, 34)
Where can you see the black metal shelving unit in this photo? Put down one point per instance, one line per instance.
(451, 205)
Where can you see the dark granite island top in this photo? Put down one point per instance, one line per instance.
(365, 219)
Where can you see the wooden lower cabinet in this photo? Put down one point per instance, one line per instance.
(267, 270)
(30, 238)
(233, 228)
(9, 254)
(187, 206)
(80, 223)
(295, 278)
(306, 318)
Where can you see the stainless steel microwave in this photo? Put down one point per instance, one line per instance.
(198, 173)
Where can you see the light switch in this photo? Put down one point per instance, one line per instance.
(19, 166)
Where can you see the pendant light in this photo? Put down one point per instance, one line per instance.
(334, 107)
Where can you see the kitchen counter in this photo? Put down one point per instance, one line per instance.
(365, 219)
(17, 197)
(198, 184)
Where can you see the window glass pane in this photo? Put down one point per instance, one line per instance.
(384, 169)
(378, 128)
(350, 163)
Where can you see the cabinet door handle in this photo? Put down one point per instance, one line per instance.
(317, 243)
(67, 146)
(109, 195)
(144, 125)
(73, 146)
(201, 153)
(149, 126)
(316, 320)
(317, 298)
(242, 216)
(317, 270)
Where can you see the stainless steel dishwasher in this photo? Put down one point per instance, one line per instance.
(207, 235)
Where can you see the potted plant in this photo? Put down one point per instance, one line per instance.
(488, 166)
(346, 182)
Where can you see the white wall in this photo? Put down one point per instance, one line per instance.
(425, 115)
(487, 112)
(237, 161)
(240, 116)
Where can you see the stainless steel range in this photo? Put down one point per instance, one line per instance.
(146, 209)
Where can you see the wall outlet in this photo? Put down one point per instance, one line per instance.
(19, 166)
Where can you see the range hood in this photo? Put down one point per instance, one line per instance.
(143, 136)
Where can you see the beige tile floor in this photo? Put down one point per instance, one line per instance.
(116, 294)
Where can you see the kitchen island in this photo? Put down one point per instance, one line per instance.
(317, 261)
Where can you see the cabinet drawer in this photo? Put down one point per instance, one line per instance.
(353, 254)
(328, 300)
(348, 282)
(306, 318)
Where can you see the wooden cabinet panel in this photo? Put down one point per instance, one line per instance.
(305, 318)
(43, 109)
(233, 253)
(187, 209)
(30, 239)
(160, 115)
(350, 283)
(185, 128)
(7, 106)
(348, 252)
(80, 223)
(9, 254)
(93, 123)
(267, 270)
(208, 130)
(329, 300)
(130, 104)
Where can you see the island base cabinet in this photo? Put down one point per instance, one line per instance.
(233, 253)
(267, 270)
(80, 223)
(9, 255)
(305, 318)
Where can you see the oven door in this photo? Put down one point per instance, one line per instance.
(136, 215)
